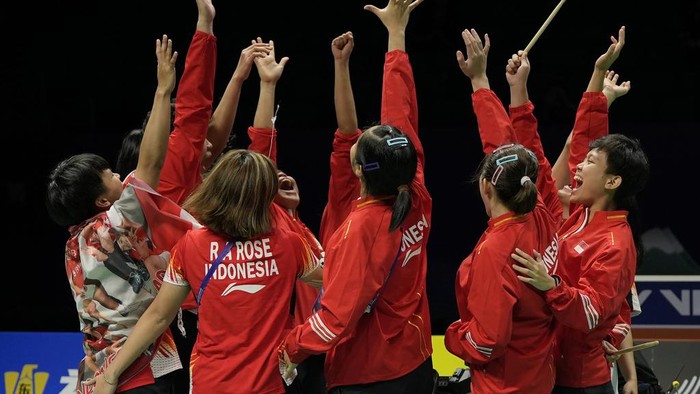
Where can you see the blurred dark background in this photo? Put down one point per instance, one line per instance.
(76, 77)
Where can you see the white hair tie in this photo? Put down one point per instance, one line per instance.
(524, 179)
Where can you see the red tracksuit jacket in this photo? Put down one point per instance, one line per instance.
(359, 257)
(504, 324)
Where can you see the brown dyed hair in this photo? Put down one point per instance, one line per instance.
(234, 199)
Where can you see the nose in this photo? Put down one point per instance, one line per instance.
(208, 145)
(579, 166)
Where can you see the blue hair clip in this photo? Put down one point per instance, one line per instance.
(397, 142)
(370, 166)
(506, 159)
(529, 152)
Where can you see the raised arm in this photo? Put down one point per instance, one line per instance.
(154, 144)
(399, 102)
(344, 186)
(495, 128)
(225, 113)
(524, 123)
(612, 91)
(182, 171)
(262, 133)
(592, 114)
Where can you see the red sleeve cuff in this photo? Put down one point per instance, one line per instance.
(521, 109)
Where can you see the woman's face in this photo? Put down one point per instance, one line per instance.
(590, 179)
(287, 192)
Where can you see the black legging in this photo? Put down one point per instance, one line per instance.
(606, 388)
(418, 381)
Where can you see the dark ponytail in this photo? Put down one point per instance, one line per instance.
(512, 170)
(389, 163)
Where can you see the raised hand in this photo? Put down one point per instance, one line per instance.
(205, 16)
(248, 55)
(518, 69)
(474, 65)
(608, 58)
(342, 46)
(166, 65)
(396, 13)
(268, 67)
(611, 89)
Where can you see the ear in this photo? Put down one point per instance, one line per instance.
(357, 169)
(485, 186)
(613, 182)
(102, 202)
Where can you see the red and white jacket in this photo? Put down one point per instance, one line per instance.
(359, 257)
(504, 323)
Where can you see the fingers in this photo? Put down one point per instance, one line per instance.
(621, 36)
(414, 4)
(522, 260)
(615, 78)
(524, 59)
(371, 9)
(537, 255)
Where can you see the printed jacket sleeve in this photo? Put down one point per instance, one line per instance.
(343, 188)
(595, 297)
(492, 292)
(525, 125)
(591, 123)
(400, 104)
(355, 279)
(495, 128)
(263, 140)
(181, 172)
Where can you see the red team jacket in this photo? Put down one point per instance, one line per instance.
(359, 256)
(598, 260)
(244, 308)
(504, 324)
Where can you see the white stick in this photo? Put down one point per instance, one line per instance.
(641, 346)
(544, 26)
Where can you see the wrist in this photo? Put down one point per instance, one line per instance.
(111, 382)
(480, 82)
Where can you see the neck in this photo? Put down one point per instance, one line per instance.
(498, 210)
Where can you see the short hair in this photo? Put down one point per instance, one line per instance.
(626, 158)
(235, 198)
(73, 186)
(506, 168)
(389, 160)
